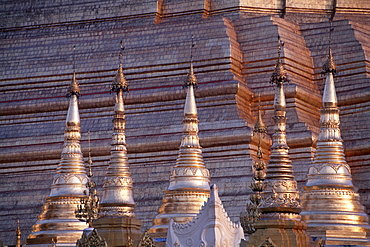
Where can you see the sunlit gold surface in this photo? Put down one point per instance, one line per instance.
(117, 199)
(57, 222)
(189, 182)
(331, 206)
(116, 222)
(280, 205)
(280, 193)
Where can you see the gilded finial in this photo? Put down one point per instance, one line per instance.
(259, 127)
(329, 65)
(119, 83)
(279, 76)
(74, 88)
(191, 79)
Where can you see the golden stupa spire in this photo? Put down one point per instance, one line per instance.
(117, 199)
(68, 186)
(280, 194)
(279, 199)
(116, 221)
(189, 181)
(331, 206)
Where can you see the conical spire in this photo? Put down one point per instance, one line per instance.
(117, 223)
(68, 186)
(72, 164)
(280, 194)
(190, 153)
(280, 205)
(331, 206)
(117, 200)
(189, 181)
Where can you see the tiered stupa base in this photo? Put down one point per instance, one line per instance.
(57, 223)
(117, 230)
(336, 216)
(285, 231)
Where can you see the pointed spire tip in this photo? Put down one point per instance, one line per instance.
(191, 79)
(120, 83)
(279, 76)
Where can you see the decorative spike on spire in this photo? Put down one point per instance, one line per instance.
(279, 76)
(329, 181)
(117, 200)
(189, 181)
(191, 79)
(329, 65)
(259, 127)
(74, 88)
(281, 193)
(119, 83)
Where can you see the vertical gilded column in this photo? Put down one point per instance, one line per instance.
(331, 206)
(189, 181)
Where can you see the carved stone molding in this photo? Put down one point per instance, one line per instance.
(117, 181)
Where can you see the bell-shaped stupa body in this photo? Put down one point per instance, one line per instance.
(331, 206)
(280, 204)
(57, 223)
(189, 181)
(116, 222)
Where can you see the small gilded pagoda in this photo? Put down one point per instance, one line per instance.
(189, 185)
(116, 222)
(331, 206)
(280, 222)
(57, 223)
